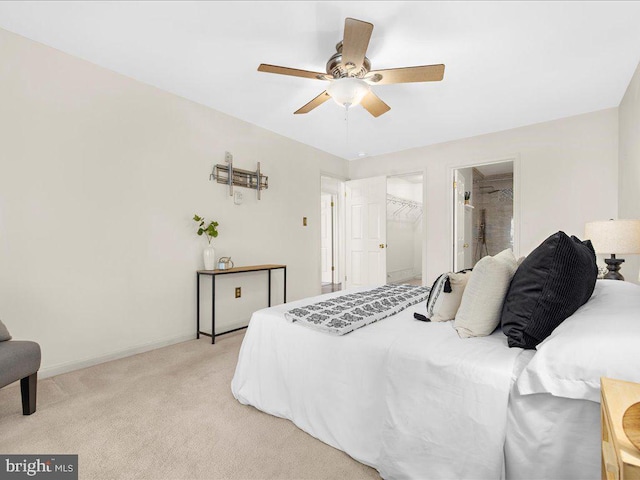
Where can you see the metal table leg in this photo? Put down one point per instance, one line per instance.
(213, 309)
(198, 305)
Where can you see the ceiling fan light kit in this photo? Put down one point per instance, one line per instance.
(348, 91)
(350, 74)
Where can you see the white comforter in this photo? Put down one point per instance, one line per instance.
(409, 398)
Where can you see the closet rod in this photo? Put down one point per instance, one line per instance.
(403, 201)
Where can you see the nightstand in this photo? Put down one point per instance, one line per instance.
(620, 459)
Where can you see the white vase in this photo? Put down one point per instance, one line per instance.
(209, 255)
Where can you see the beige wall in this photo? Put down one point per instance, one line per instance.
(567, 175)
(100, 176)
(629, 169)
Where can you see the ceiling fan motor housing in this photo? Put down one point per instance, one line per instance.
(337, 69)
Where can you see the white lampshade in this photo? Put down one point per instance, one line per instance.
(614, 237)
(348, 91)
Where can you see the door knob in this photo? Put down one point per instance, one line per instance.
(382, 245)
(466, 245)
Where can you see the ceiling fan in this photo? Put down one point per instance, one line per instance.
(350, 75)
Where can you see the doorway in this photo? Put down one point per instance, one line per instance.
(331, 225)
(384, 230)
(484, 213)
(405, 229)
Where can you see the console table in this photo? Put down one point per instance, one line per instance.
(213, 274)
(620, 457)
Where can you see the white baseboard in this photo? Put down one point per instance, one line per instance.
(222, 329)
(127, 352)
(402, 275)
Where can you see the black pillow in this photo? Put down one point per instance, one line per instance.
(554, 281)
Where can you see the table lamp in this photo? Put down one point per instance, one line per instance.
(614, 237)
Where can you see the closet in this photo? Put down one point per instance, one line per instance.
(404, 229)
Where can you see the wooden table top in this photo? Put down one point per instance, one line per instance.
(249, 268)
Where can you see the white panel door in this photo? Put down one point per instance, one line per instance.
(366, 237)
(459, 222)
(468, 237)
(326, 244)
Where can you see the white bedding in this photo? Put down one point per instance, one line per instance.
(553, 427)
(552, 438)
(409, 398)
(599, 340)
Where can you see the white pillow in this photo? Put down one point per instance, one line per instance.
(436, 294)
(601, 339)
(481, 306)
(447, 303)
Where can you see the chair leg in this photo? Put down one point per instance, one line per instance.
(28, 389)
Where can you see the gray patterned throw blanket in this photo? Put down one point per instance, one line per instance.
(346, 313)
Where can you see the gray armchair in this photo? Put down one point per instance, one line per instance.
(20, 361)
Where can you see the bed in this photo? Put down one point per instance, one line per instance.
(413, 400)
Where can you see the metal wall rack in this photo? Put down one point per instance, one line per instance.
(238, 177)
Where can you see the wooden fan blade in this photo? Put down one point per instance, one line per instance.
(355, 42)
(372, 104)
(425, 73)
(294, 72)
(319, 100)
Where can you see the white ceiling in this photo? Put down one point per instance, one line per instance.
(508, 64)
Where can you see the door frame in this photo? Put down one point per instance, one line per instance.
(457, 176)
(339, 225)
(331, 234)
(450, 199)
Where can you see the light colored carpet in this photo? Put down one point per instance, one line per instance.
(166, 414)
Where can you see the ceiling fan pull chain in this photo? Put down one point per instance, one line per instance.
(346, 121)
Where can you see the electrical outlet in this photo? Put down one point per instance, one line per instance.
(304, 221)
(238, 292)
